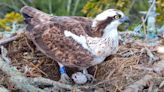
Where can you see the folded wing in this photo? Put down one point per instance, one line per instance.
(47, 33)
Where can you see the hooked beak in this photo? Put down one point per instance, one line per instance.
(125, 19)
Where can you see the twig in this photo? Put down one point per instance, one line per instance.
(7, 40)
(144, 26)
(141, 67)
(148, 80)
(37, 67)
(161, 85)
(4, 54)
(144, 20)
(127, 53)
(111, 73)
(128, 34)
(139, 85)
(148, 13)
(101, 82)
(152, 58)
(151, 87)
(94, 75)
(44, 81)
(158, 67)
(32, 50)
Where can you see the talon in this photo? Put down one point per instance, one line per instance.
(90, 77)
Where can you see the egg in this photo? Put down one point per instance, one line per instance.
(79, 78)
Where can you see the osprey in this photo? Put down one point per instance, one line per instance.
(74, 41)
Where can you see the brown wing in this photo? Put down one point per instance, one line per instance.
(49, 37)
(86, 24)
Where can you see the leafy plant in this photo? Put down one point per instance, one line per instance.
(9, 19)
(160, 10)
(55, 7)
(93, 7)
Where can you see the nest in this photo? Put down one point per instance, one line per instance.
(118, 72)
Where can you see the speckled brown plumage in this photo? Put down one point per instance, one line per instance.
(86, 24)
(48, 35)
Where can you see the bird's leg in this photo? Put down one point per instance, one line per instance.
(64, 77)
(89, 76)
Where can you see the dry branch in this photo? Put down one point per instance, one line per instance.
(7, 40)
(152, 58)
(159, 67)
(139, 85)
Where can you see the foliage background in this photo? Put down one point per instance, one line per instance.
(88, 8)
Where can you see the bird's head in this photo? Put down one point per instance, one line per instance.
(110, 16)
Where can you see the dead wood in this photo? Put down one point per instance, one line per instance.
(7, 40)
(139, 85)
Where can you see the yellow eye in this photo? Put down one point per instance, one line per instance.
(116, 16)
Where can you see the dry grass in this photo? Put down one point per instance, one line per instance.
(114, 75)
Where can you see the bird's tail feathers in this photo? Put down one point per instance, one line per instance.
(30, 12)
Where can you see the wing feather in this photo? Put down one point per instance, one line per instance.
(47, 33)
(86, 24)
(49, 38)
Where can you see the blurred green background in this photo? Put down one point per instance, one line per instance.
(9, 9)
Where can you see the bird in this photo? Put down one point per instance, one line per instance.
(74, 41)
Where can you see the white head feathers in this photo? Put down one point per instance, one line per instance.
(105, 14)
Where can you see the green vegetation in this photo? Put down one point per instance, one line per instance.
(88, 8)
(9, 19)
(9, 9)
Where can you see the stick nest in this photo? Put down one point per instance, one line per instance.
(116, 74)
